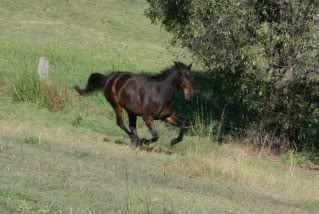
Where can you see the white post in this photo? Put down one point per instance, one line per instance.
(43, 68)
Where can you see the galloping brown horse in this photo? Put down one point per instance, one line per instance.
(148, 97)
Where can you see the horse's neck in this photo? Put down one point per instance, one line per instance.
(169, 86)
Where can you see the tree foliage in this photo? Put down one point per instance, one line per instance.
(264, 52)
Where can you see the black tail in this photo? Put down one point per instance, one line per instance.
(96, 82)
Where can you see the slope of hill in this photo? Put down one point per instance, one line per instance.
(75, 160)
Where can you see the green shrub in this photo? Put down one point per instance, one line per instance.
(264, 55)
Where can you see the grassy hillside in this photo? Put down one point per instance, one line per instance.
(80, 36)
(68, 156)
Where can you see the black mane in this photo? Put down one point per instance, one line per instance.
(163, 75)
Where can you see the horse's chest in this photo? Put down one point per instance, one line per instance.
(166, 110)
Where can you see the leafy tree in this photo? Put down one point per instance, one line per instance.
(264, 52)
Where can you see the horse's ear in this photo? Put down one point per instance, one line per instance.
(177, 64)
(180, 65)
(190, 66)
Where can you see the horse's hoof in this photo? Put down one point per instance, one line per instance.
(174, 141)
(136, 142)
(144, 141)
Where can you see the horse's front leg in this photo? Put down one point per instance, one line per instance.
(149, 121)
(172, 120)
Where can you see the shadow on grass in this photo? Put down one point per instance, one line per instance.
(209, 102)
(152, 149)
(207, 105)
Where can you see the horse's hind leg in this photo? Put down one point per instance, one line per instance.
(119, 119)
(132, 125)
(149, 121)
(174, 121)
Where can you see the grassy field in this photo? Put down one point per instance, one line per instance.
(63, 154)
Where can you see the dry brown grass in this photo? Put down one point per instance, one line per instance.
(56, 96)
(246, 166)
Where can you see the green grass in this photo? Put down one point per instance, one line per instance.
(66, 155)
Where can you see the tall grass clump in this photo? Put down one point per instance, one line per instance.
(202, 124)
(28, 88)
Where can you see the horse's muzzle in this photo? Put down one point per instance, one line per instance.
(188, 91)
(187, 96)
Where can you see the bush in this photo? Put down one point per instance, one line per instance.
(264, 54)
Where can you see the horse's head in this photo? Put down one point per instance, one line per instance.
(185, 78)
